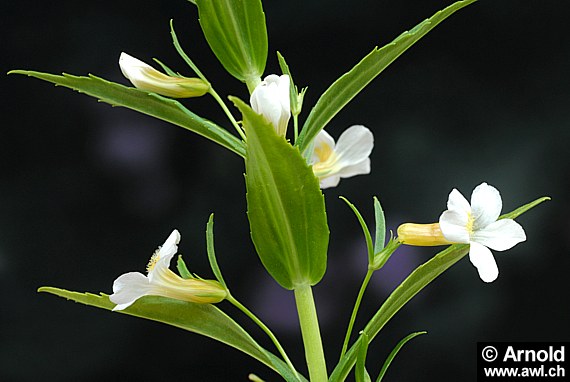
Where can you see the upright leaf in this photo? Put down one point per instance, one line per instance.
(360, 372)
(343, 90)
(394, 352)
(236, 33)
(211, 251)
(144, 102)
(203, 319)
(365, 229)
(286, 208)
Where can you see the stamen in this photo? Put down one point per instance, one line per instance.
(153, 260)
(470, 222)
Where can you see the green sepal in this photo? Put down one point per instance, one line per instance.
(394, 352)
(295, 96)
(286, 208)
(380, 258)
(365, 229)
(212, 252)
(412, 285)
(164, 67)
(344, 89)
(236, 33)
(144, 102)
(203, 319)
(360, 372)
(183, 269)
(380, 220)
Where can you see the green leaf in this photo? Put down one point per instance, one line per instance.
(365, 229)
(203, 319)
(360, 371)
(412, 285)
(343, 90)
(394, 352)
(151, 104)
(286, 208)
(236, 33)
(521, 210)
(380, 237)
(212, 252)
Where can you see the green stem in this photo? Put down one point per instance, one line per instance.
(295, 127)
(252, 83)
(314, 353)
(355, 311)
(214, 94)
(218, 99)
(263, 327)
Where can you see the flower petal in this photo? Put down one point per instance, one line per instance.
(132, 67)
(482, 258)
(354, 145)
(271, 99)
(145, 77)
(330, 181)
(264, 102)
(283, 86)
(500, 235)
(169, 249)
(457, 202)
(356, 169)
(323, 147)
(128, 288)
(486, 205)
(453, 224)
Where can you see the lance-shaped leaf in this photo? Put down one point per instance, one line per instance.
(394, 352)
(343, 90)
(203, 319)
(236, 33)
(144, 102)
(412, 285)
(286, 208)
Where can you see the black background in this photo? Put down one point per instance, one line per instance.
(87, 191)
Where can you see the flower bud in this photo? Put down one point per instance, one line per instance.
(271, 99)
(421, 234)
(145, 77)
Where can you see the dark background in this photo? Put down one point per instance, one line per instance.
(87, 192)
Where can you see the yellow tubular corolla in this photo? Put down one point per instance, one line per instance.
(421, 234)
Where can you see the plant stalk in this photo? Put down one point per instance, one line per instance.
(314, 353)
(355, 311)
(263, 327)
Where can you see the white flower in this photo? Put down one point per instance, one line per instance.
(271, 99)
(476, 224)
(161, 281)
(349, 157)
(145, 77)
